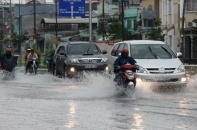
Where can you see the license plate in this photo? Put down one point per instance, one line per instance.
(90, 66)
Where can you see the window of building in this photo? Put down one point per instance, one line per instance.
(170, 6)
(191, 5)
(129, 24)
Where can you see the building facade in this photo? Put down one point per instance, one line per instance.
(171, 15)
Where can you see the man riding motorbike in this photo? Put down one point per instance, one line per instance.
(32, 55)
(122, 60)
(49, 60)
(8, 61)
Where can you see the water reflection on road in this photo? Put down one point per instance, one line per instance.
(92, 103)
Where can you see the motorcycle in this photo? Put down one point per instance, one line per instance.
(126, 78)
(8, 67)
(33, 67)
(49, 62)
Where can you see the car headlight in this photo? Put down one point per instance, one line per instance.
(104, 60)
(74, 61)
(142, 70)
(180, 69)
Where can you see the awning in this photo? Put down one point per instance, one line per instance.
(69, 20)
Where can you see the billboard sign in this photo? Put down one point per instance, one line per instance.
(71, 8)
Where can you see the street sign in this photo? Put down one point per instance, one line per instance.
(71, 8)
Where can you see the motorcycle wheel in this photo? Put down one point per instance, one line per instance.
(35, 70)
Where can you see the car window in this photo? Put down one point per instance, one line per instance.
(120, 48)
(83, 48)
(61, 50)
(114, 50)
(126, 46)
(152, 51)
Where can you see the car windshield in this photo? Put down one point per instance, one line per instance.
(83, 49)
(151, 51)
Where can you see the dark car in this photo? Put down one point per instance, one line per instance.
(72, 57)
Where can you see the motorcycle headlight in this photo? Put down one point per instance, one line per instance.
(142, 70)
(104, 60)
(74, 61)
(180, 69)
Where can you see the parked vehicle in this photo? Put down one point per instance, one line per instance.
(157, 62)
(73, 57)
(125, 79)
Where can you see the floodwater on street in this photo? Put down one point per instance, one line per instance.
(45, 102)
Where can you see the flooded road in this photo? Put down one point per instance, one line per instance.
(45, 102)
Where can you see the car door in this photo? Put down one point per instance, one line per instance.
(60, 57)
(113, 56)
(116, 51)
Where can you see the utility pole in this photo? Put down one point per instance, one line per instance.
(182, 31)
(34, 14)
(19, 29)
(56, 18)
(90, 20)
(122, 6)
(103, 20)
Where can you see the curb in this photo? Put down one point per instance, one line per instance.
(40, 70)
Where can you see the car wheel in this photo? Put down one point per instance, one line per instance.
(67, 74)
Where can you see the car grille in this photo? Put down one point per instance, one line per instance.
(157, 71)
(160, 80)
(89, 61)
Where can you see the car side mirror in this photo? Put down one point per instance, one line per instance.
(179, 54)
(104, 52)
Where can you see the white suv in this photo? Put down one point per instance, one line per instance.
(157, 62)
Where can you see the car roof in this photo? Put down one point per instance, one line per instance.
(143, 42)
(75, 42)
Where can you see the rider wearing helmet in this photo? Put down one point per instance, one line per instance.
(49, 60)
(8, 52)
(8, 61)
(30, 57)
(123, 59)
(27, 52)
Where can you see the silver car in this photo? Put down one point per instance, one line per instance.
(157, 62)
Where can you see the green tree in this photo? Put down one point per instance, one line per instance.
(156, 33)
(114, 30)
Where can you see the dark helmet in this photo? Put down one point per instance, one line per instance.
(125, 53)
(32, 50)
(8, 48)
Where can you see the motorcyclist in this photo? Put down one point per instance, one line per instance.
(8, 61)
(32, 55)
(123, 59)
(27, 52)
(49, 60)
